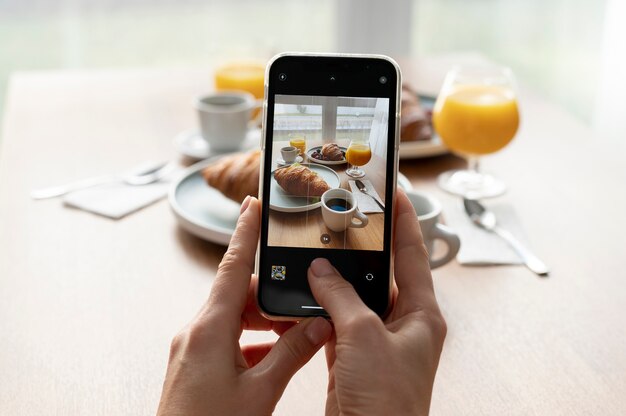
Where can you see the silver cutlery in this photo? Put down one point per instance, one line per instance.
(486, 219)
(363, 189)
(144, 174)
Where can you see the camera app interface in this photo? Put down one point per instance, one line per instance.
(329, 158)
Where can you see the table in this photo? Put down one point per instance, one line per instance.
(88, 305)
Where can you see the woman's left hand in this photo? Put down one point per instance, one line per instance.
(208, 371)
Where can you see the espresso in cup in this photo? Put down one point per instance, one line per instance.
(225, 119)
(340, 212)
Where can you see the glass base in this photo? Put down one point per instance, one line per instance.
(470, 184)
(355, 172)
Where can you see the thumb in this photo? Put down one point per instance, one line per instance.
(292, 350)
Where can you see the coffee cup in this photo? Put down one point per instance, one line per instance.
(289, 153)
(225, 118)
(339, 210)
(428, 210)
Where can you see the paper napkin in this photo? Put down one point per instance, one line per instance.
(481, 247)
(116, 200)
(364, 202)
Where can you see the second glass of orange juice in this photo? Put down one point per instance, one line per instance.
(476, 113)
(358, 154)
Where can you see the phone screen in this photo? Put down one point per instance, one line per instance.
(329, 172)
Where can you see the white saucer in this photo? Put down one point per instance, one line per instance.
(281, 162)
(191, 144)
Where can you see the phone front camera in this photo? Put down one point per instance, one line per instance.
(382, 80)
(282, 76)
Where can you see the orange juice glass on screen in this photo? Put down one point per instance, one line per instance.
(358, 154)
(298, 141)
(476, 114)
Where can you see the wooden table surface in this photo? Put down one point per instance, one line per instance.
(88, 305)
(305, 229)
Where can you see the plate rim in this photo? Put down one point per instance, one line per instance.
(217, 234)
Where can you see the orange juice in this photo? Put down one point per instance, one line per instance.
(299, 142)
(358, 154)
(476, 119)
(245, 76)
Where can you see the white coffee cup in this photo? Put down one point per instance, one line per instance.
(428, 211)
(289, 153)
(225, 118)
(348, 216)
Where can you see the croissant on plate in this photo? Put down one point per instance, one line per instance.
(299, 180)
(236, 176)
(331, 151)
(414, 122)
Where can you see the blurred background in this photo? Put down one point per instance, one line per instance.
(571, 52)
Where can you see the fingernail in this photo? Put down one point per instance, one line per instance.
(244, 204)
(318, 331)
(321, 267)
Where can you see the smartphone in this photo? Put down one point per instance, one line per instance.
(328, 178)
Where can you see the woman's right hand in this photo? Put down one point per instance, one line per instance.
(385, 367)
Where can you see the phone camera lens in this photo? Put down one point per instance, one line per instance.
(282, 76)
(382, 80)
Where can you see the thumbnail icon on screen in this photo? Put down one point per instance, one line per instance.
(279, 272)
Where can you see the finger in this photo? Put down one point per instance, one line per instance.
(252, 320)
(336, 295)
(254, 354)
(411, 268)
(329, 351)
(292, 350)
(230, 289)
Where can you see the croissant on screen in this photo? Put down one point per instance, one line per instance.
(299, 180)
(236, 175)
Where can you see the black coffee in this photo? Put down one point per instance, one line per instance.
(338, 204)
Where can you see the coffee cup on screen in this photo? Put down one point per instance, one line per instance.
(289, 153)
(339, 210)
(225, 118)
(428, 210)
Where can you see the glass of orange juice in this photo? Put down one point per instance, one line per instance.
(358, 154)
(298, 141)
(476, 113)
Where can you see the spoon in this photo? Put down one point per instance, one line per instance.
(363, 189)
(486, 219)
(144, 174)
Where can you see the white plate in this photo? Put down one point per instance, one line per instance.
(283, 202)
(422, 148)
(191, 144)
(206, 213)
(325, 162)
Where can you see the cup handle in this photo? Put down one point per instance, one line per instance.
(257, 121)
(451, 239)
(361, 218)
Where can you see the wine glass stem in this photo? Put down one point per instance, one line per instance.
(472, 164)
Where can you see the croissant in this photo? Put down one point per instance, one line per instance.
(236, 176)
(331, 151)
(414, 123)
(299, 180)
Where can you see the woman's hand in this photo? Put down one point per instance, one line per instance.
(383, 367)
(208, 371)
